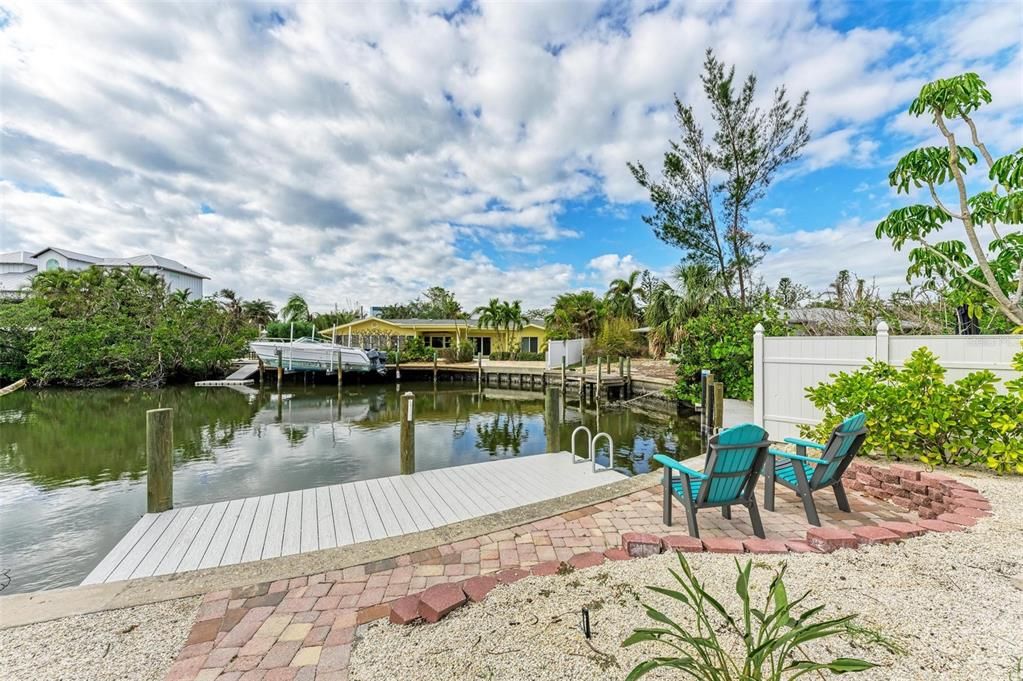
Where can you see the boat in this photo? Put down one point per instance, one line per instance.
(313, 354)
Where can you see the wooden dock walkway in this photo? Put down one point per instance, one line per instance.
(243, 530)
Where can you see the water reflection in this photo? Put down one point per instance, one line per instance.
(72, 463)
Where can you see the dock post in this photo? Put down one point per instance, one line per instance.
(582, 360)
(280, 368)
(160, 460)
(407, 434)
(260, 372)
(339, 379)
(708, 403)
(564, 368)
(596, 391)
(621, 366)
(435, 367)
(628, 375)
(552, 419)
(719, 405)
(397, 365)
(479, 373)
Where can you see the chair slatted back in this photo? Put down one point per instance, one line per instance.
(840, 450)
(734, 459)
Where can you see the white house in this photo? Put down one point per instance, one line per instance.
(18, 268)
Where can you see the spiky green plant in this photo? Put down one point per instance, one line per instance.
(771, 636)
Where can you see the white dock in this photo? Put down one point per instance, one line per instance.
(256, 528)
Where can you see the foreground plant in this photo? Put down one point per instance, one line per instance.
(771, 636)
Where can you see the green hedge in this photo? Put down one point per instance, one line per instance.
(912, 413)
(518, 356)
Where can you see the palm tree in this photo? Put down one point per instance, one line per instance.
(230, 302)
(489, 316)
(512, 320)
(698, 284)
(621, 296)
(295, 310)
(259, 312)
(575, 315)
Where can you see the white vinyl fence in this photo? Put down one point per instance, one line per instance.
(571, 350)
(784, 367)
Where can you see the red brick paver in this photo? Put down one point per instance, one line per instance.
(304, 628)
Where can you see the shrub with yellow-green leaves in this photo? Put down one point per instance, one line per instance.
(913, 414)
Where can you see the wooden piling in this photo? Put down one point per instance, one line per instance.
(339, 373)
(564, 369)
(280, 368)
(707, 406)
(260, 372)
(719, 405)
(160, 460)
(552, 419)
(628, 379)
(621, 365)
(435, 367)
(407, 434)
(479, 375)
(597, 391)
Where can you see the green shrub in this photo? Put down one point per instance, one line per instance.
(461, 352)
(413, 350)
(616, 338)
(912, 413)
(721, 339)
(518, 356)
(284, 330)
(771, 635)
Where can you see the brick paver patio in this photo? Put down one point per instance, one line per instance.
(304, 628)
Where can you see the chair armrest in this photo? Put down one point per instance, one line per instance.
(796, 457)
(804, 443)
(669, 462)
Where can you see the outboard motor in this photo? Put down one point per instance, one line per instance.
(378, 361)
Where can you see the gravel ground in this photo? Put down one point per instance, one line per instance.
(133, 643)
(951, 601)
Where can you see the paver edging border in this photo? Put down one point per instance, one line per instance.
(943, 497)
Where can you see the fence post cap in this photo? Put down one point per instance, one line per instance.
(759, 329)
(882, 327)
(153, 411)
(408, 393)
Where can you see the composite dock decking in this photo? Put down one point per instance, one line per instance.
(255, 528)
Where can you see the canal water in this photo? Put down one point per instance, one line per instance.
(73, 463)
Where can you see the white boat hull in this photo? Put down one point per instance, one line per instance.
(314, 356)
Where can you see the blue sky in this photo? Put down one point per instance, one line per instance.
(360, 153)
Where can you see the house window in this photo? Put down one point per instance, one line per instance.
(530, 344)
(52, 264)
(437, 341)
(482, 344)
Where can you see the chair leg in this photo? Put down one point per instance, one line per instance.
(694, 531)
(843, 501)
(769, 484)
(726, 512)
(754, 518)
(666, 511)
(810, 508)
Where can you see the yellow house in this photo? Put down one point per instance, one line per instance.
(380, 334)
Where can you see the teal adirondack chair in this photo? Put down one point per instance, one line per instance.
(734, 460)
(805, 475)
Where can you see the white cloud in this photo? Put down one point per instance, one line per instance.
(366, 151)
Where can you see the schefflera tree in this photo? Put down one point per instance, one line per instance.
(978, 276)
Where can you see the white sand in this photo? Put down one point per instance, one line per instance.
(953, 601)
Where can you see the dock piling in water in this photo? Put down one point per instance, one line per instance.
(407, 434)
(160, 459)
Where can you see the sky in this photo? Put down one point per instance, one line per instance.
(360, 153)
